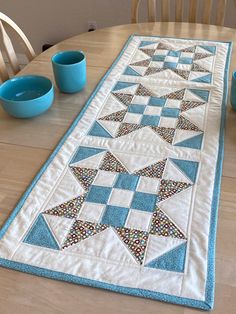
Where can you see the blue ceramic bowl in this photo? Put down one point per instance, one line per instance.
(26, 96)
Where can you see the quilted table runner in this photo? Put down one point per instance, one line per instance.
(128, 200)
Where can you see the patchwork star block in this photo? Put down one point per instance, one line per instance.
(182, 62)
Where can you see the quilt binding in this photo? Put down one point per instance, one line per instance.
(210, 283)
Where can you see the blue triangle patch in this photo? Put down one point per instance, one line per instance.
(98, 130)
(204, 94)
(130, 71)
(41, 235)
(121, 85)
(189, 168)
(211, 49)
(173, 260)
(85, 152)
(145, 43)
(193, 142)
(204, 79)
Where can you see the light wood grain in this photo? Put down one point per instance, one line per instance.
(3, 69)
(206, 12)
(152, 10)
(26, 144)
(220, 12)
(134, 11)
(165, 8)
(9, 49)
(179, 5)
(193, 5)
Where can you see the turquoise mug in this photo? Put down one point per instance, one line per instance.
(233, 91)
(69, 68)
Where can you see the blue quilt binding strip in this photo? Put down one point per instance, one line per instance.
(210, 284)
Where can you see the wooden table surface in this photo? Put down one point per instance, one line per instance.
(26, 144)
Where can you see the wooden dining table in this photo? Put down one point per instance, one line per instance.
(25, 145)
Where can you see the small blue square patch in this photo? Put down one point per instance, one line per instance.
(115, 216)
(159, 58)
(173, 53)
(155, 101)
(170, 112)
(170, 65)
(185, 60)
(98, 194)
(136, 108)
(126, 182)
(144, 201)
(150, 120)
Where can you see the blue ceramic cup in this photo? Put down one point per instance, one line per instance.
(233, 91)
(69, 69)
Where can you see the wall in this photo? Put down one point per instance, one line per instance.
(50, 21)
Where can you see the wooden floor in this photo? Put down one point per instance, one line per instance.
(26, 144)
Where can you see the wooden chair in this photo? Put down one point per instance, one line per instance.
(5, 21)
(179, 8)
